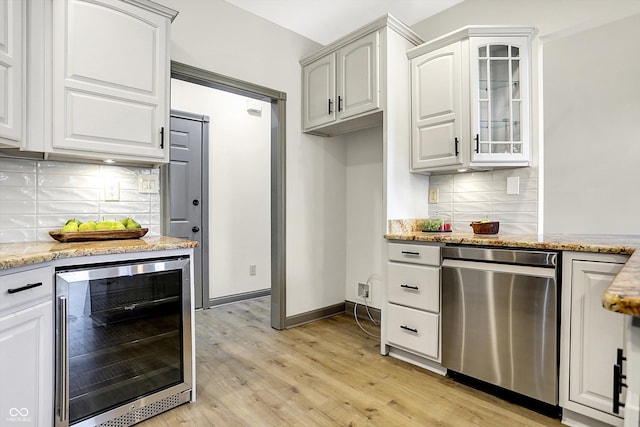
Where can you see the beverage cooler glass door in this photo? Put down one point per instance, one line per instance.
(123, 338)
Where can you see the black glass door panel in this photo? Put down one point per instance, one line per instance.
(124, 340)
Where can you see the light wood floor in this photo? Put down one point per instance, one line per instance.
(326, 373)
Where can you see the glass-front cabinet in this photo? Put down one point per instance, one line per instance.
(470, 100)
(499, 100)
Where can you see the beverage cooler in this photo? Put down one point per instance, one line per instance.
(123, 341)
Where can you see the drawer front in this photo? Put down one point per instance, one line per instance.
(415, 254)
(415, 286)
(413, 330)
(25, 288)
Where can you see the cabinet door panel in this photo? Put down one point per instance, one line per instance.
(436, 102)
(110, 79)
(596, 333)
(358, 77)
(319, 92)
(12, 89)
(26, 346)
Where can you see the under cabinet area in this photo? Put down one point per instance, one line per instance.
(26, 346)
(590, 339)
(411, 314)
(470, 100)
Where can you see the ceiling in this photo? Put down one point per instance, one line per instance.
(324, 21)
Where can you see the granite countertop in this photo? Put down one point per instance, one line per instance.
(622, 295)
(20, 254)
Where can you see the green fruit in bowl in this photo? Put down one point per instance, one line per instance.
(87, 226)
(117, 225)
(73, 220)
(104, 225)
(131, 224)
(70, 227)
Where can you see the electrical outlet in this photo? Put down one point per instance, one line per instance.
(112, 191)
(252, 270)
(363, 290)
(434, 194)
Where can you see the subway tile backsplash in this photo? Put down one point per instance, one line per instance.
(472, 196)
(39, 196)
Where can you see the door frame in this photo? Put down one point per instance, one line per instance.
(278, 101)
(204, 201)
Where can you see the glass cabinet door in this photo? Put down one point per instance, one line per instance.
(497, 93)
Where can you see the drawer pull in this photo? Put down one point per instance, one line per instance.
(24, 288)
(414, 288)
(406, 328)
(411, 253)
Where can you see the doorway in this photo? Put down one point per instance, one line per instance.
(276, 102)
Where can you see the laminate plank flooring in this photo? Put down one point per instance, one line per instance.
(325, 373)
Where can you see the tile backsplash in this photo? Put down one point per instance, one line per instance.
(39, 196)
(470, 197)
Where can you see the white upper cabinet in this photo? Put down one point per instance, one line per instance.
(319, 80)
(111, 72)
(342, 84)
(347, 84)
(470, 100)
(437, 110)
(13, 24)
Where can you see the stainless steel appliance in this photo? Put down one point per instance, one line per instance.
(123, 341)
(500, 318)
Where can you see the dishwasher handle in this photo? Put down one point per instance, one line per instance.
(502, 256)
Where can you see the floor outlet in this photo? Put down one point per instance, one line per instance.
(252, 270)
(363, 290)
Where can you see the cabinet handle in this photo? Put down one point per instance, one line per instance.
(618, 381)
(330, 105)
(406, 328)
(415, 288)
(162, 137)
(411, 253)
(339, 103)
(477, 139)
(457, 143)
(24, 288)
(63, 366)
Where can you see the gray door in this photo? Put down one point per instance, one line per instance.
(187, 183)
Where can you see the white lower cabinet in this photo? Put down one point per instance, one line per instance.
(591, 337)
(411, 314)
(26, 348)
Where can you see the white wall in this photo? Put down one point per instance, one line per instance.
(239, 186)
(592, 129)
(364, 213)
(549, 17)
(216, 36)
(40, 196)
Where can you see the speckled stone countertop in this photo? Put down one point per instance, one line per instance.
(622, 295)
(21, 254)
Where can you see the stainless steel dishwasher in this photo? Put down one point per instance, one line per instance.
(500, 318)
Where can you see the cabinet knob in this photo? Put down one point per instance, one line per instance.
(195, 229)
(196, 202)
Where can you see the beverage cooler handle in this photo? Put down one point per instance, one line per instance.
(63, 382)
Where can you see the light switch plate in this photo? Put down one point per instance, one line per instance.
(513, 185)
(148, 183)
(434, 194)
